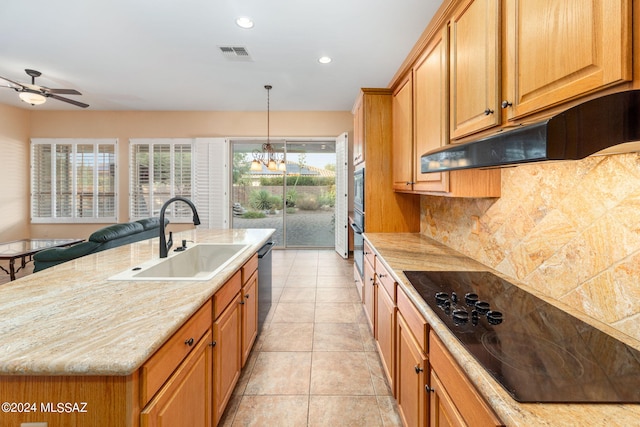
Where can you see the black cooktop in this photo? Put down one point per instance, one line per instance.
(536, 351)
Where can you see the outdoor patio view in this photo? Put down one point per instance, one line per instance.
(298, 203)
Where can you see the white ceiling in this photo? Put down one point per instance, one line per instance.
(164, 54)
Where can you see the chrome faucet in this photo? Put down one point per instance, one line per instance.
(164, 245)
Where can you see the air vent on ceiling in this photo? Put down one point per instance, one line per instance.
(235, 53)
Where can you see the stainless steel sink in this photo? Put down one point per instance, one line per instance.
(199, 262)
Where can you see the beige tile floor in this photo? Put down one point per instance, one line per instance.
(315, 362)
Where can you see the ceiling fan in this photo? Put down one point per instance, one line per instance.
(36, 95)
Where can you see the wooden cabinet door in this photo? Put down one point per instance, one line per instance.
(369, 294)
(249, 315)
(226, 356)
(443, 411)
(386, 328)
(411, 377)
(185, 399)
(475, 61)
(431, 97)
(559, 49)
(358, 131)
(402, 146)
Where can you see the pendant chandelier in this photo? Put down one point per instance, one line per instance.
(268, 157)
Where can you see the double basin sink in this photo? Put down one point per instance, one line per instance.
(198, 262)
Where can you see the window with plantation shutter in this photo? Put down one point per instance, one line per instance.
(160, 169)
(73, 180)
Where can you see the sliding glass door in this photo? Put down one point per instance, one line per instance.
(299, 202)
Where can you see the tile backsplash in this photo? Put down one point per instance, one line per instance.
(571, 230)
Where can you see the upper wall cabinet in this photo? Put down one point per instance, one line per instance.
(402, 148)
(559, 49)
(358, 131)
(475, 61)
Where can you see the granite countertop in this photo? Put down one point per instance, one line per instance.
(409, 251)
(71, 320)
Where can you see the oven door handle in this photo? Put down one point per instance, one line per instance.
(356, 229)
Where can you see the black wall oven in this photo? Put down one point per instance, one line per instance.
(358, 220)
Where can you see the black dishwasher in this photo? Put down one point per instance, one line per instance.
(264, 282)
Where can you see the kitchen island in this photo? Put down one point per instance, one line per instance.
(71, 324)
(399, 252)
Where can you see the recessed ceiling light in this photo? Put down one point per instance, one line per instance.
(324, 60)
(244, 22)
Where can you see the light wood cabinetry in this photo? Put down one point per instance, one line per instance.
(249, 307)
(186, 382)
(427, 101)
(385, 210)
(402, 151)
(558, 50)
(454, 399)
(369, 288)
(412, 367)
(185, 400)
(386, 322)
(358, 131)
(475, 67)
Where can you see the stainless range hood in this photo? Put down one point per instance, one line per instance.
(606, 125)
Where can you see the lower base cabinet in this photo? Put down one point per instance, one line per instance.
(412, 368)
(185, 400)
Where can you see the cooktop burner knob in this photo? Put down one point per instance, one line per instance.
(442, 298)
(494, 317)
(460, 316)
(454, 297)
(471, 299)
(483, 307)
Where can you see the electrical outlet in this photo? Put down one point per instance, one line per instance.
(45, 424)
(475, 224)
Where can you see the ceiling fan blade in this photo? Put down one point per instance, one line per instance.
(70, 101)
(62, 91)
(19, 85)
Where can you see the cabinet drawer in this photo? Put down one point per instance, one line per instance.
(466, 399)
(368, 254)
(155, 371)
(226, 294)
(387, 282)
(417, 325)
(248, 268)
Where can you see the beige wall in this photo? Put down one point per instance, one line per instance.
(18, 125)
(14, 176)
(571, 230)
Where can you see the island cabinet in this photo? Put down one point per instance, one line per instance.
(179, 378)
(454, 400)
(249, 306)
(475, 65)
(421, 124)
(559, 50)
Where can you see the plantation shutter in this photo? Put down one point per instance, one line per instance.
(160, 168)
(212, 182)
(342, 196)
(73, 180)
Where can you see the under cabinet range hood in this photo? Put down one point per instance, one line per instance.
(606, 125)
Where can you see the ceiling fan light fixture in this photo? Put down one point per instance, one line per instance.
(32, 98)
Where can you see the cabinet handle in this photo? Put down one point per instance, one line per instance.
(247, 296)
(382, 275)
(213, 343)
(410, 183)
(189, 342)
(429, 389)
(418, 369)
(506, 104)
(488, 111)
(241, 303)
